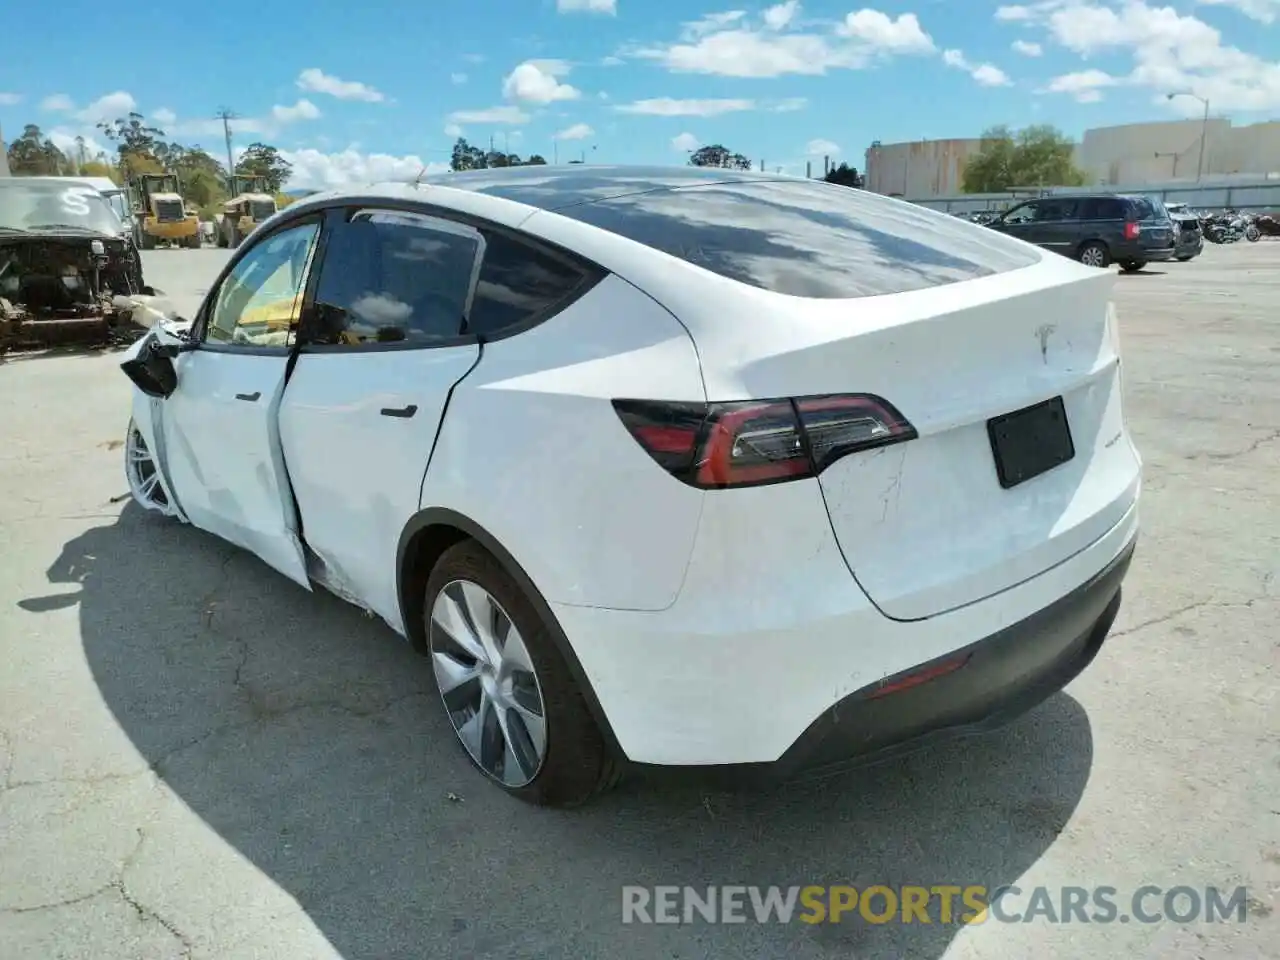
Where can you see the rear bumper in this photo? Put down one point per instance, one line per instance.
(768, 662)
(1002, 677)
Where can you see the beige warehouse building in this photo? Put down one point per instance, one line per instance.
(1128, 154)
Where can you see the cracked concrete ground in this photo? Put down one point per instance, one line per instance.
(199, 759)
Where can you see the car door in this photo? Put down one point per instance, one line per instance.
(221, 437)
(382, 346)
(1056, 227)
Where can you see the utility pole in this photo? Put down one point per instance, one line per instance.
(226, 116)
(808, 169)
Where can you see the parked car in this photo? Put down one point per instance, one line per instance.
(696, 468)
(1096, 229)
(1190, 238)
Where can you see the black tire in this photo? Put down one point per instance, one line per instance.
(148, 241)
(1094, 249)
(577, 764)
(1132, 266)
(1190, 256)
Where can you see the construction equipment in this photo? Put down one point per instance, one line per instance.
(250, 203)
(160, 213)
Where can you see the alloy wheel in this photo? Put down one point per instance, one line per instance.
(1091, 256)
(142, 473)
(488, 683)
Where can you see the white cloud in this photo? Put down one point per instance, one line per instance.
(612, 62)
(684, 143)
(778, 17)
(821, 148)
(1014, 14)
(1086, 85)
(789, 105)
(458, 78)
(667, 107)
(1264, 11)
(64, 139)
(898, 35)
(729, 45)
(534, 81)
(985, 74)
(1169, 52)
(579, 131)
(588, 6)
(1027, 48)
(507, 115)
(317, 81)
(314, 169)
(302, 110)
(164, 117)
(10, 99)
(57, 103)
(110, 107)
(452, 130)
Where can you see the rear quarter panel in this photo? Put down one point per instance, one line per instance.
(532, 451)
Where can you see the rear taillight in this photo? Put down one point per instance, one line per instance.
(1131, 231)
(747, 443)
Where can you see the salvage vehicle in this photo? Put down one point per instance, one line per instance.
(1189, 242)
(162, 215)
(249, 206)
(741, 474)
(64, 258)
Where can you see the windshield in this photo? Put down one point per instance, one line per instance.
(262, 209)
(31, 206)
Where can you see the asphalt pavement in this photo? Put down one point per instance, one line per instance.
(200, 759)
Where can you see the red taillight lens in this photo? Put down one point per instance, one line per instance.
(1131, 231)
(753, 442)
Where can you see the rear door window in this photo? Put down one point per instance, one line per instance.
(808, 239)
(1101, 208)
(1145, 209)
(1056, 210)
(519, 285)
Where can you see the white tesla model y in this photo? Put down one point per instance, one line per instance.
(677, 467)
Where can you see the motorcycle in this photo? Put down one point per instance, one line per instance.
(1226, 227)
(1264, 225)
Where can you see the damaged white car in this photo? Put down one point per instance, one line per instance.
(65, 258)
(692, 468)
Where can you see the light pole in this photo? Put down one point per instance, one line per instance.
(1204, 129)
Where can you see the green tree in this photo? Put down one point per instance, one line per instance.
(1031, 157)
(263, 160)
(717, 156)
(467, 157)
(845, 176)
(33, 155)
(537, 160)
(136, 142)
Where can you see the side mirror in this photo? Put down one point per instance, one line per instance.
(151, 369)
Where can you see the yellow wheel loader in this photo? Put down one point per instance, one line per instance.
(160, 213)
(251, 203)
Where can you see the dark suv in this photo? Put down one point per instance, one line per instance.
(1096, 229)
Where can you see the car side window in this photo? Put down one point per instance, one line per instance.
(392, 277)
(1023, 214)
(518, 283)
(1102, 208)
(1055, 210)
(258, 303)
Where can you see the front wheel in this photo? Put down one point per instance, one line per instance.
(143, 472)
(506, 689)
(1094, 255)
(1252, 233)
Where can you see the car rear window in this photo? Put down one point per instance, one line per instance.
(808, 239)
(1144, 209)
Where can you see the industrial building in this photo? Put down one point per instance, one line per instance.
(1130, 154)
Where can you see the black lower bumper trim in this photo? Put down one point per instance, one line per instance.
(1003, 676)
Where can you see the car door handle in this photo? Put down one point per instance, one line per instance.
(403, 412)
(251, 397)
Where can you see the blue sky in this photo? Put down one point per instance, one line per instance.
(352, 91)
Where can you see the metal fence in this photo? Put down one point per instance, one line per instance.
(1259, 196)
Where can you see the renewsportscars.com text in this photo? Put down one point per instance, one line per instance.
(941, 904)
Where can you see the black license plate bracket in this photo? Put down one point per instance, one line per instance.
(1028, 442)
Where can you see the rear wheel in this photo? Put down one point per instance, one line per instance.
(1132, 266)
(1094, 254)
(1252, 233)
(1184, 259)
(505, 687)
